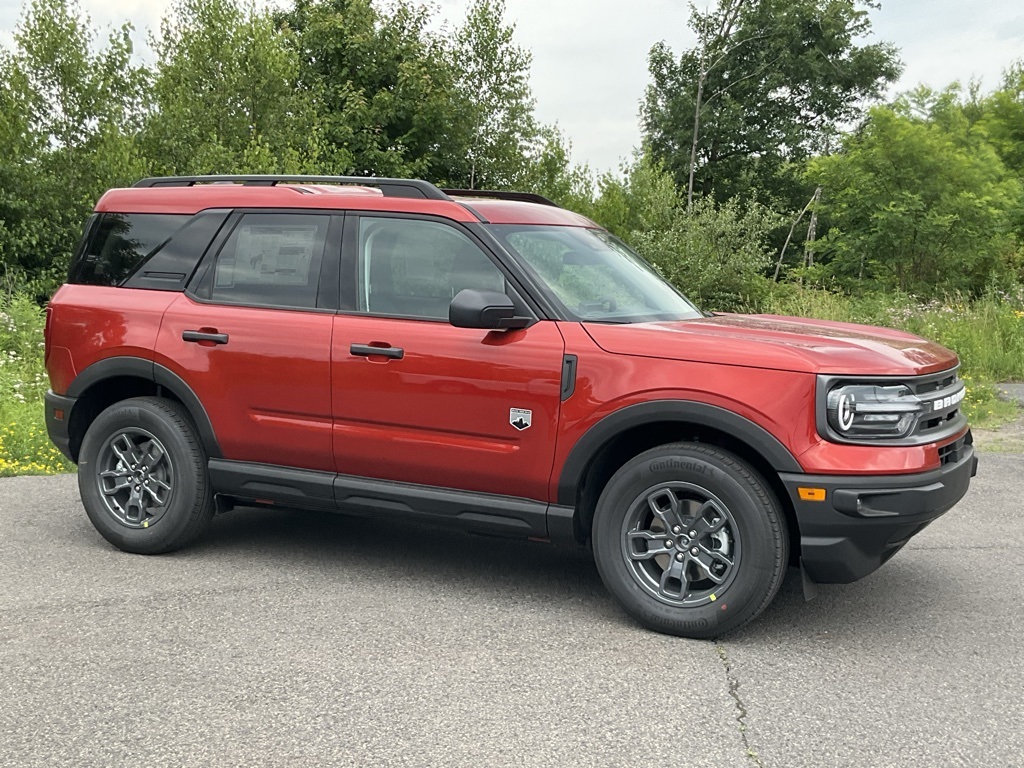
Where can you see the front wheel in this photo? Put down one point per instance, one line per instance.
(690, 540)
(143, 478)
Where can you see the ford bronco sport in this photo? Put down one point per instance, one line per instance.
(489, 361)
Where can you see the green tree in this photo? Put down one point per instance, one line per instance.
(716, 254)
(1003, 118)
(69, 111)
(915, 207)
(381, 83)
(497, 123)
(769, 83)
(550, 171)
(224, 98)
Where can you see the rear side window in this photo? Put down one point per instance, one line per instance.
(271, 259)
(122, 241)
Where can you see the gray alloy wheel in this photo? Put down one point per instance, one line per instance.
(690, 540)
(680, 543)
(135, 477)
(143, 478)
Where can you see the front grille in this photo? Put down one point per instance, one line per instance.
(929, 384)
(941, 394)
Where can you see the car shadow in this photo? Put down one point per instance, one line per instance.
(433, 557)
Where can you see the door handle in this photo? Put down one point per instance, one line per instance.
(366, 350)
(207, 336)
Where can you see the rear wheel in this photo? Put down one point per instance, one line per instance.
(142, 476)
(690, 540)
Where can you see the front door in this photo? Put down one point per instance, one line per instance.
(417, 400)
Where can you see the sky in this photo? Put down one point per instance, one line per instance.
(590, 56)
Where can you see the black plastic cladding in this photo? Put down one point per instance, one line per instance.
(668, 411)
(113, 367)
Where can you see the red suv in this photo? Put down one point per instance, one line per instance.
(492, 362)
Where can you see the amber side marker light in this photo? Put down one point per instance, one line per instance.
(811, 494)
(58, 414)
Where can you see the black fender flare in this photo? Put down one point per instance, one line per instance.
(137, 367)
(660, 412)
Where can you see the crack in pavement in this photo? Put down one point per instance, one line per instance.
(741, 708)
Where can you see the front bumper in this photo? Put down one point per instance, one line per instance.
(56, 428)
(865, 520)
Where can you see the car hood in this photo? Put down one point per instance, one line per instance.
(778, 343)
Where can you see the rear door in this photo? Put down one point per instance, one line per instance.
(417, 400)
(252, 336)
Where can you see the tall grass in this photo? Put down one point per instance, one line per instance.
(25, 448)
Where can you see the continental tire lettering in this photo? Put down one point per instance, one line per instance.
(689, 466)
(698, 624)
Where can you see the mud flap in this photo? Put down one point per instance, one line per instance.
(810, 588)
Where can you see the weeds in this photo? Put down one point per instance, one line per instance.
(25, 448)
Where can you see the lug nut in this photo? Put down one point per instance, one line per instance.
(693, 534)
(679, 556)
(668, 543)
(694, 551)
(676, 529)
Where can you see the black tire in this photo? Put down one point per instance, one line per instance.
(143, 478)
(690, 540)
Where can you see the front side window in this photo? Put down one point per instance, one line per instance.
(271, 259)
(593, 276)
(414, 268)
(122, 242)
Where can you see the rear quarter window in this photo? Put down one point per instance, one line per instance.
(120, 243)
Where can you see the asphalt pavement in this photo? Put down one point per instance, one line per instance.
(295, 639)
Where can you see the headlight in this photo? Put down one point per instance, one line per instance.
(871, 411)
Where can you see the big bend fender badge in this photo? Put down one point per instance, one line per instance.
(520, 418)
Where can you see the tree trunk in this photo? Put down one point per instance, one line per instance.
(696, 136)
(812, 229)
(792, 229)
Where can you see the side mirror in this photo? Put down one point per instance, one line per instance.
(484, 309)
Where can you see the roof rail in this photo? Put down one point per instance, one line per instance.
(414, 188)
(523, 197)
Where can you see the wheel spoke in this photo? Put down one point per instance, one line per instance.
(126, 452)
(643, 545)
(706, 559)
(121, 480)
(136, 503)
(152, 455)
(709, 519)
(666, 507)
(674, 585)
(153, 487)
(135, 477)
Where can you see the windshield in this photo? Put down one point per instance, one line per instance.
(594, 276)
